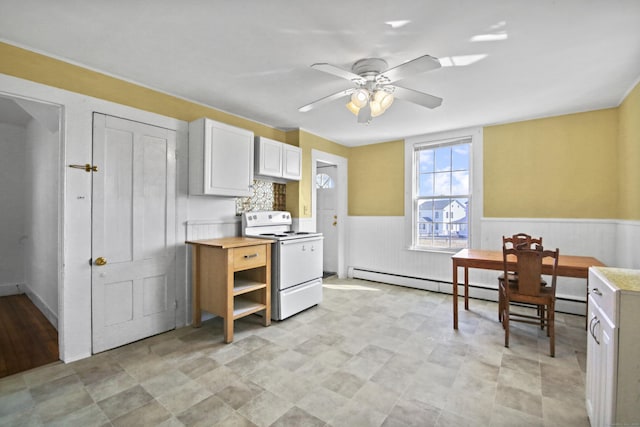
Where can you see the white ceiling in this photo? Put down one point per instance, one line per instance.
(251, 58)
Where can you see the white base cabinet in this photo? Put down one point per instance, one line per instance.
(613, 347)
(220, 159)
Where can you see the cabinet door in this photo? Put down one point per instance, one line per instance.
(229, 162)
(594, 376)
(601, 367)
(220, 159)
(269, 157)
(292, 162)
(609, 344)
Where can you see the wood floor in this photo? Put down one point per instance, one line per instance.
(27, 339)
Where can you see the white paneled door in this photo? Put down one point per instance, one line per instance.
(133, 241)
(327, 200)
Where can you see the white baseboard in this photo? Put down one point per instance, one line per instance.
(44, 309)
(10, 289)
(394, 279)
(563, 304)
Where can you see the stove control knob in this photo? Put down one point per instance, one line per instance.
(270, 216)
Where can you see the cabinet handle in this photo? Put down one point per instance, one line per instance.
(591, 325)
(596, 291)
(250, 256)
(593, 329)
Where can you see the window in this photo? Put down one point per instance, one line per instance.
(324, 181)
(441, 194)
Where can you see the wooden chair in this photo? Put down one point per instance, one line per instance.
(514, 241)
(520, 239)
(527, 290)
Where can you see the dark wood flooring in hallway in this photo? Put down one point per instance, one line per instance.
(27, 339)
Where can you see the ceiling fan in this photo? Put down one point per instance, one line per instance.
(374, 86)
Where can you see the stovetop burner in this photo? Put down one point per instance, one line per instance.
(273, 225)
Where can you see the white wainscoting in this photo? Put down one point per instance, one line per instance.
(212, 228)
(378, 251)
(627, 253)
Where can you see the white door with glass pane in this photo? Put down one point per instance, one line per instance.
(133, 237)
(327, 199)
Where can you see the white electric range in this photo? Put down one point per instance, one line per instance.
(296, 261)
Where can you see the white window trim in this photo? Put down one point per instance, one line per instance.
(475, 185)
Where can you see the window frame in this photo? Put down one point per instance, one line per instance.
(474, 138)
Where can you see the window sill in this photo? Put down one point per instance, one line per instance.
(434, 250)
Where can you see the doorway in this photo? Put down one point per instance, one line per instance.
(329, 208)
(327, 215)
(30, 254)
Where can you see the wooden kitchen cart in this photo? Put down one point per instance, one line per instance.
(231, 279)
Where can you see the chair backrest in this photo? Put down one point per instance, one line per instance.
(520, 239)
(529, 267)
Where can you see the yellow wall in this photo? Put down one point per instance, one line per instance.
(28, 65)
(558, 167)
(629, 156)
(376, 179)
(299, 194)
(573, 166)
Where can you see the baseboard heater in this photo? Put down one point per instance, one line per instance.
(563, 304)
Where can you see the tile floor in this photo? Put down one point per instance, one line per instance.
(370, 355)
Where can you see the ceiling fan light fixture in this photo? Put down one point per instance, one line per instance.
(384, 98)
(353, 107)
(360, 97)
(376, 108)
(374, 88)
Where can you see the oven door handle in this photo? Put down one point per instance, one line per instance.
(300, 241)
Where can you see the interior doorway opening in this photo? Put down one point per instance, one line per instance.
(329, 209)
(30, 177)
(327, 215)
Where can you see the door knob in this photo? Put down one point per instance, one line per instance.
(100, 261)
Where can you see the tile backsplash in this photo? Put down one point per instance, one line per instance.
(266, 196)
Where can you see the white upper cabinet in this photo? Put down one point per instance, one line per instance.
(268, 160)
(220, 159)
(275, 160)
(292, 162)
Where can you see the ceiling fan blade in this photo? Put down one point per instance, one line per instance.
(415, 66)
(326, 99)
(417, 97)
(339, 72)
(364, 115)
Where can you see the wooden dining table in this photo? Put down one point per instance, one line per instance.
(568, 266)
